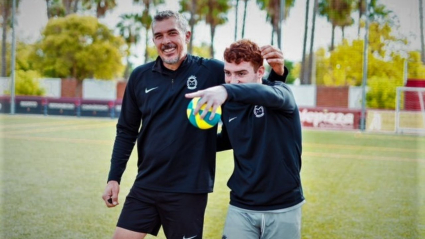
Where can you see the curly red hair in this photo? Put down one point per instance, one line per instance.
(244, 50)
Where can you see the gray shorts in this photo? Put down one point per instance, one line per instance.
(249, 224)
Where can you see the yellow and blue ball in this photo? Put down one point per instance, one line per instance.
(196, 120)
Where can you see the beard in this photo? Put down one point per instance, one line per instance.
(170, 61)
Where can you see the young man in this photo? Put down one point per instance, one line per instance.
(261, 123)
(176, 161)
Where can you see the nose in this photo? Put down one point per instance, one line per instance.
(165, 39)
(233, 80)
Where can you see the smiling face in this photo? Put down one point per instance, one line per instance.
(242, 73)
(243, 63)
(171, 42)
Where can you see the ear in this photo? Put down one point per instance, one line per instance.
(188, 34)
(260, 72)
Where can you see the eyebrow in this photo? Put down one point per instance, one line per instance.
(171, 30)
(241, 71)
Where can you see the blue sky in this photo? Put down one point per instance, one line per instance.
(32, 17)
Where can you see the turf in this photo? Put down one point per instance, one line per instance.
(53, 172)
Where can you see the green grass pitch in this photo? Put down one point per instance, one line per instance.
(53, 172)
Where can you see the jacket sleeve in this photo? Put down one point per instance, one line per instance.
(275, 95)
(223, 142)
(275, 77)
(127, 132)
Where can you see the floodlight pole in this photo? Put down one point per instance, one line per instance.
(12, 84)
(365, 61)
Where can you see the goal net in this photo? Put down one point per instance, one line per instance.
(410, 110)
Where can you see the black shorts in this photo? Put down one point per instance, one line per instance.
(180, 214)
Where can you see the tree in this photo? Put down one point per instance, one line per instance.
(100, 6)
(376, 11)
(6, 14)
(303, 76)
(344, 65)
(79, 47)
(195, 10)
(27, 83)
(146, 20)
(55, 8)
(129, 27)
(244, 18)
(70, 6)
(338, 13)
(236, 20)
(421, 23)
(310, 57)
(215, 14)
(416, 68)
(272, 8)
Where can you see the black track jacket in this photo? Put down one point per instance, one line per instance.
(261, 123)
(173, 155)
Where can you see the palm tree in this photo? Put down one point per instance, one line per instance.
(375, 10)
(55, 8)
(272, 8)
(236, 20)
(146, 20)
(338, 13)
(101, 6)
(304, 79)
(71, 6)
(310, 57)
(6, 14)
(421, 23)
(215, 15)
(345, 22)
(194, 7)
(244, 18)
(129, 28)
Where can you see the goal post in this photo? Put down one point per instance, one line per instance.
(410, 110)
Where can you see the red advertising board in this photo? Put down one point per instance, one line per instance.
(330, 118)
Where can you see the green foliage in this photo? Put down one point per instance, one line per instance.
(101, 6)
(344, 65)
(23, 59)
(152, 53)
(202, 50)
(215, 12)
(291, 76)
(79, 47)
(26, 83)
(381, 94)
(416, 69)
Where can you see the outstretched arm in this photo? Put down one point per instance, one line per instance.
(213, 97)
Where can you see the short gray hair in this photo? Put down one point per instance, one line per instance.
(181, 21)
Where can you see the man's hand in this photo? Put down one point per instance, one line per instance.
(110, 196)
(213, 97)
(275, 58)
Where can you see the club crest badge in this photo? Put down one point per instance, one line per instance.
(258, 111)
(192, 83)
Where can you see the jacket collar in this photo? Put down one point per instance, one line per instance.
(159, 65)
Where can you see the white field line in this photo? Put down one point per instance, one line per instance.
(356, 147)
(49, 139)
(362, 157)
(61, 128)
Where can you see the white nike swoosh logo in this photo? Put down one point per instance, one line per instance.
(151, 89)
(188, 237)
(232, 118)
